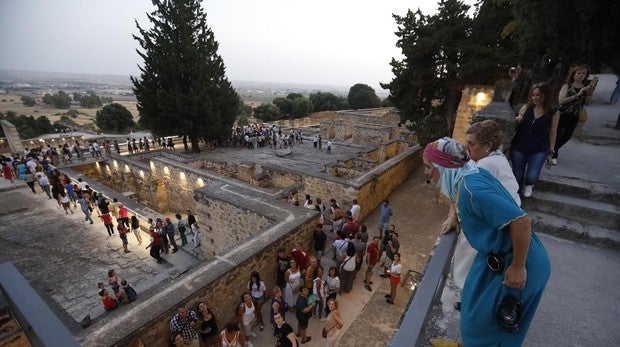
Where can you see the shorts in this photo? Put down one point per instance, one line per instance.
(258, 301)
(394, 280)
(369, 269)
(302, 322)
(124, 238)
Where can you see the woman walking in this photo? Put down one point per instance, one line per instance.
(395, 271)
(333, 324)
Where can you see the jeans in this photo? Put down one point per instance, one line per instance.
(46, 189)
(526, 167)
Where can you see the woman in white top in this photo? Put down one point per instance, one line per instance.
(332, 285)
(292, 277)
(257, 288)
(247, 315)
(395, 271)
(231, 336)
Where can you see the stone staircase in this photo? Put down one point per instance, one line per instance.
(576, 209)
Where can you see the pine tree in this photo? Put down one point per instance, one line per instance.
(182, 88)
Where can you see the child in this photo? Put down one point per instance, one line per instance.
(107, 221)
(122, 233)
(65, 202)
(109, 304)
(129, 291)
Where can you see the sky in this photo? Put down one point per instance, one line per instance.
(319, 42)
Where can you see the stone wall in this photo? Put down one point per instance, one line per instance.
(474, 98)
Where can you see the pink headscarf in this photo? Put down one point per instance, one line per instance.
(446, 152)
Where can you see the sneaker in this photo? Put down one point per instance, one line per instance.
(527, 191)
(554, 161)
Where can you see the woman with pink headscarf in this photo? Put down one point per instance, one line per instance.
(510, 271)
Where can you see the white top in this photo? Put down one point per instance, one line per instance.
(355, 211)
(257, 290)
(497, 164)
(248, 314)
(396, 268)
(233, 343)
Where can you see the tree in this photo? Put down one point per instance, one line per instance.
(244, 112)
(363, 96)
(568, 32)
(285, 105)
(90, 100)
(182, 88)
(28, 100)
(267, 112)
(58, 100)
(302, 107)
(114, 118)
(325, 101)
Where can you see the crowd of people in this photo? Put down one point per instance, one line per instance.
(256, 136)
(307, 285)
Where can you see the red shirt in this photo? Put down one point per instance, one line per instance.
(156, 238)
(372, 251)
(108, 303)
(301, 258)
(123, 212)
(107, 218)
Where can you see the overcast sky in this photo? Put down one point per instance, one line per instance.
(327, 42)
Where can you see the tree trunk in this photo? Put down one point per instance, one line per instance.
(194, 141)
(452, 104)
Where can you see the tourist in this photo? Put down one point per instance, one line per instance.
(318, 289)
(391, 249)
(159, 227)
(320, 238)
(248, 315)
(7, 172)
(282, 264)
(356, 210)
(122, 233)
(114, 206)
(350, 227)
(231, 336)
(169, 230)
(333, 324)
(107, 222)
(193, 227)
(360, 250)
(278, 305)
(185, 321)
(109, 304)
(303, 312)
(123, 214)
(372, 257)
(301, 256)
(65, 202)
(155, 243)
(181, 227)
(29, 178)
(395, 271)
(347, 268)
(329, 151)
(337, 216)
(292, 277)
(137, 343)
(320, 207)
(44, 183)
(177, 339)
(332, 285)
(257, 288)
(363, 233)
(135, 228)
(310, 271)
(84, 206)
(285, 337)
(386, 213)
(117, 149)
(574, 95)
(207, 328)
(129, 291)
(534, 138)
(498, 303)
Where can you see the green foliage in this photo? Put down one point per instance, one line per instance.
(58, 100)
(386, 103)
(28, 100)
(293, 96)
(442, 53)
(28, 126)
(295, 105)
(73, 113)
(267, 112)
(91, 100)
(325, 101)
(363, 96)
(285, 105)
(302, 107)
(182, 88)
(114, 118)
(244, 112)
(569, 32)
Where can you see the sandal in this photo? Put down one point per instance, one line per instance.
(307, 339)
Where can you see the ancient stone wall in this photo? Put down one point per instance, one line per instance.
(474, 98)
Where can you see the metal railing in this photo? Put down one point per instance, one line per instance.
(36, 320)
(413, 322)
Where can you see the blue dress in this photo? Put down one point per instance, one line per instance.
(485, 209)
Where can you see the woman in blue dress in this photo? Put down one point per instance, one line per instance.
(510, 272)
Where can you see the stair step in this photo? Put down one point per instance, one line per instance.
(568, 229)
(579, 188)
(580, 210)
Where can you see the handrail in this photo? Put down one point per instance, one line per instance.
(427, 292)
(37, 320)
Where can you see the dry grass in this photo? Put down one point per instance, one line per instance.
(12, 102)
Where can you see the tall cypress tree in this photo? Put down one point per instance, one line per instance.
(182, 88)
